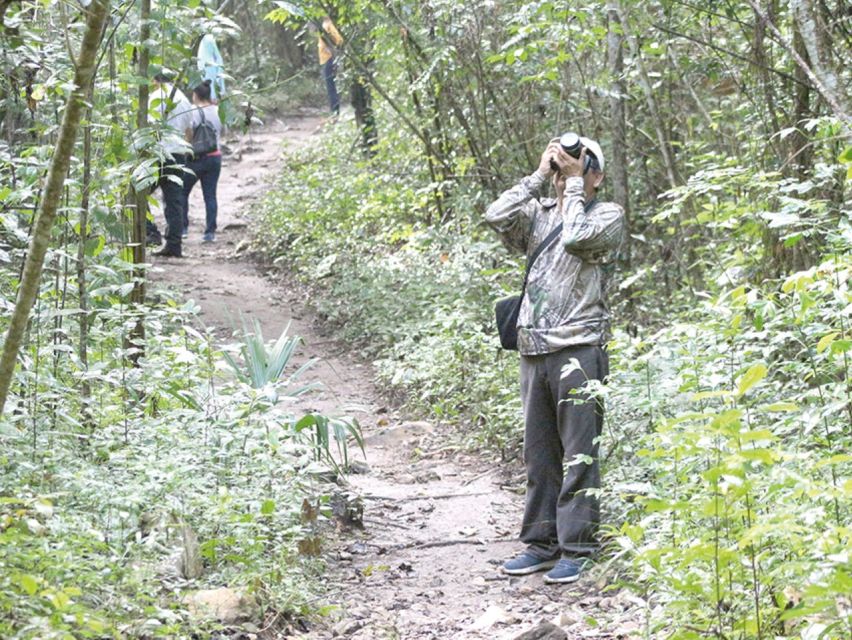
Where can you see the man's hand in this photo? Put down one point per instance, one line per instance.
(568, 165)
(545, 165)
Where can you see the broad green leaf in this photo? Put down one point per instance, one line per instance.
(755, 374)
(826, 340)
(703, 395)
(760, 434)
(840, 346)
(727, 419)
(28, 583)
(759, 455)
(835, 459)
(781, 406)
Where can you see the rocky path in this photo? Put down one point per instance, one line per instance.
(437, 522)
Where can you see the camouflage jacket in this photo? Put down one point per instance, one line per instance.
(564, 304)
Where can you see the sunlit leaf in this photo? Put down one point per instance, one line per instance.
(755, 374)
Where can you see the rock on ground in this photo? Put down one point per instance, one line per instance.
(544, 631)
(228, 606)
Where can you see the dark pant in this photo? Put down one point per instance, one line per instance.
(329, 70)
(152, 232)
(562, 422)
(171, 183)
(207, 170)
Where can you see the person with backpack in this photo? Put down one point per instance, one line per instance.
(206, 163)
(170, 114)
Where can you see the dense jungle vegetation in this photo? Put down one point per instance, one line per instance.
(128, 435)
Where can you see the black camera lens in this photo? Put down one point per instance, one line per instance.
(571, 144)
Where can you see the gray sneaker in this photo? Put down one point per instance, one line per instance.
(527, 563)
(566, 570)
(209, 237)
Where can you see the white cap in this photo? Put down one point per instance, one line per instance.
(595, 148)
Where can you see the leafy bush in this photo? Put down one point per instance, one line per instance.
(94, 518)
(730, 482)
(727, 429)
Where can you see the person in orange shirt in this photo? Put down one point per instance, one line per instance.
(328, 39)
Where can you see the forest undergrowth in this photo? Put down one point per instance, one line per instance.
(186, 468)
(134, 451)
(725, 450)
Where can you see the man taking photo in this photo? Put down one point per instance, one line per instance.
(563, 327)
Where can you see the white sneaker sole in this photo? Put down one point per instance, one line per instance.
(545, 564)
(566, 580)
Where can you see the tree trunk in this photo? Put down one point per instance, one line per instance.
(362, 104)
(783, 259)
(653, 108)
(801, 152)
(83, 347)
(59, 164)
(837, 103)
(140, 211)
(815, 39)
(618, 165)
(759, 54)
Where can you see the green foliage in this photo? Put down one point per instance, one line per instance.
(725, 446)
(738, 517)
(94, 513)
(264, 366)
(407, 294)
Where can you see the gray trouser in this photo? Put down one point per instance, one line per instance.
(561, 422)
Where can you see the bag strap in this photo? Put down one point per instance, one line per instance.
(535, 254)
(203, 119)
(546, 242)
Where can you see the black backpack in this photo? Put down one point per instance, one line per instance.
(204, 136)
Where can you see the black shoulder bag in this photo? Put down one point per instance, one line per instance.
(507, 309)
(204, 137)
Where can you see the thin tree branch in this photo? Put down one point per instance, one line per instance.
(827, 95)
(726, 52)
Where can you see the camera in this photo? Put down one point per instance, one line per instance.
(570, 143)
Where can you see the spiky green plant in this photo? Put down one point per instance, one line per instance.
(264, 366)
(323, 429)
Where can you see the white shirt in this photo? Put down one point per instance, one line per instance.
(174, 116)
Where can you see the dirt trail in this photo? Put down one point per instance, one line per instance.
(437, 522)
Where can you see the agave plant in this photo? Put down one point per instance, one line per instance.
(263, 366)
(323, 429)
(262, 369)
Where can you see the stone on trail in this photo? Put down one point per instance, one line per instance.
(544, 631)
(493, 615)
(228, 606)
(427, 477)
(358, 467)
(345, 628)
(406, 478)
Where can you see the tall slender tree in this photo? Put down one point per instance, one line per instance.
(615, 54)
(84, 74)
(140, 210)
